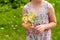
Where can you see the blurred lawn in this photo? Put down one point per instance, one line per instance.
(10, 23)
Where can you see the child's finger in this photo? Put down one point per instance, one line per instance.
(37, 31)
(37, 27)
(32, 27)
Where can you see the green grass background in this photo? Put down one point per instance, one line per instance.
(10, 23)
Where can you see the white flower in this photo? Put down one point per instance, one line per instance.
(21, 6)
(2, 27)
(16, 25)
(14, 28)
(6, 35)
(12, 25)
(53, 4)
(14, 16)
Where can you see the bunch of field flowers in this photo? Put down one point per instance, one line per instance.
(30, 19)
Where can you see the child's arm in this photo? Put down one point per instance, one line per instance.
(52, 19)
(24, 11)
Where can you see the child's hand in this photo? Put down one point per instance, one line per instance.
(28, 27)
(40, 29)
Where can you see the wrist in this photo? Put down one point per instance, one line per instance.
(44, 27)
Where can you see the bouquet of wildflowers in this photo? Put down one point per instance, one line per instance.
(30, 19)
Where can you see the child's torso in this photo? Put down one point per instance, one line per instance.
(42, 13)
(43, 18)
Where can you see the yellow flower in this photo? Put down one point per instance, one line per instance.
(31, 15)
(28, 19)
(29, 23)
(31, 20)
(25, 18)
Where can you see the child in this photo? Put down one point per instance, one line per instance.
(45, 20)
